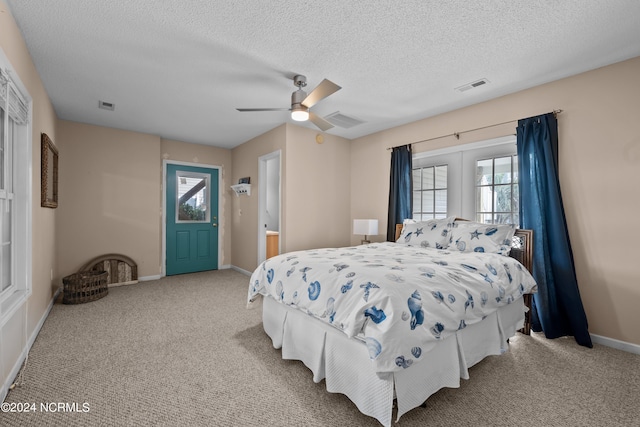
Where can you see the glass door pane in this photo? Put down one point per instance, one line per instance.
(192, 203)
(3, 150)
(5, 244)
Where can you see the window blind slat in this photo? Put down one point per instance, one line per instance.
(17, 108)
(11, 98)
(3, 89)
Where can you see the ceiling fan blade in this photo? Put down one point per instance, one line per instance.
(262, 109)
(324, 89)
(319, 121)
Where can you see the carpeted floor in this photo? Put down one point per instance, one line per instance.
(184, 350)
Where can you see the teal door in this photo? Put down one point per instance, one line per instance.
(192, 219)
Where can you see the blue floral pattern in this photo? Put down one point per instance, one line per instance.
(432, 233)
(400, 299)
(468, 236)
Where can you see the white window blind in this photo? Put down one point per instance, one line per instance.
(9, 96)
(15, 193)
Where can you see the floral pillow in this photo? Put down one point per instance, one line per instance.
(433, 233)
(478, 237)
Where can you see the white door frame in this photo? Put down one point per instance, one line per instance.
(262, 202)
(221, 218)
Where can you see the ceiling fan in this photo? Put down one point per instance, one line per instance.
(301, 102)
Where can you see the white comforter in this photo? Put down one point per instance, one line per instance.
(401, 300)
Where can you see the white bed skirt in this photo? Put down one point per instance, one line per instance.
(345, 365)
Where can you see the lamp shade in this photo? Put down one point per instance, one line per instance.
(367, 227)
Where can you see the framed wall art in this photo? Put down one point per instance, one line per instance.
(49, 173)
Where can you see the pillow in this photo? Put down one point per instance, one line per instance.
(467, 236)
(433, 233)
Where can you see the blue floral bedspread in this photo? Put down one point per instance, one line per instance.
(400, 299)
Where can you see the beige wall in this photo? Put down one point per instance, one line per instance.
(318, 191)
(315, 192)
(44, 219)
(210, 156)
(109, 197)
(244, 209)
(599, 162)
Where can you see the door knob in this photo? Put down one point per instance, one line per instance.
(214, 224)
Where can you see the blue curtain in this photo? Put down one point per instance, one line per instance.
(400, 189)
(557, 307)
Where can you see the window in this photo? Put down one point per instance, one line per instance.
(430, 192)
(15, 191)
(497, 190)
(476, 181)
(6, 196)
(192, 204)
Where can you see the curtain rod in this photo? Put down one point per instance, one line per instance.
(457, 134)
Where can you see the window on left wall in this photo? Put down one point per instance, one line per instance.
(15, 191)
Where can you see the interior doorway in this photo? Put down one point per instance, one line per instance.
(269, 206)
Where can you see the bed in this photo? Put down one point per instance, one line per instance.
(389, 322)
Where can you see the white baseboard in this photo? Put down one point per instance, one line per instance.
(16, 367)
(613, 343)
(241, 270)
(115, 285)
(146, 278)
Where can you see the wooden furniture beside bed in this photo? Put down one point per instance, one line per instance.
(272, 243)
(522, 250)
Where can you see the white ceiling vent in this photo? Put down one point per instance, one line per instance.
(339, 119)
(472, 85)
(106, 105)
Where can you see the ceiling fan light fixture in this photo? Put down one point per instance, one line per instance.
(301, 103)
(300, 113)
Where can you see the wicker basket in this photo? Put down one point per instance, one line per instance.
(84, 287)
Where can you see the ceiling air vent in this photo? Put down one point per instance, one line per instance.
(472, 85)
(106, 105)
(339, 119)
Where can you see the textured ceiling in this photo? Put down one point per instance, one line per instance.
(179, 69)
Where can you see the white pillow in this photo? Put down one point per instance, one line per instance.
(467, 236)
(433, 233)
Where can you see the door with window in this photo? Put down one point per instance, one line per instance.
(191, 219)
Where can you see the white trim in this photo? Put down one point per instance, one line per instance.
(10, 306)
(147, 278)
(16, 367)
(465, 147)
(262, 195)
(19, 151)
(224, 267)
(117, 285)
(241, 270)
(165, 162)
(22, 212)
(617, 344)
(461, 169)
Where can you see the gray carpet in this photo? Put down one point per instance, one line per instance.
(184, 350)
